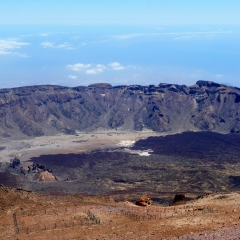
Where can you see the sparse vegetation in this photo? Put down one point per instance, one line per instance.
(27, 215)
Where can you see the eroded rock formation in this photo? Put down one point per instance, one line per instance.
(32, 172)
(45, 177)
(48, 110)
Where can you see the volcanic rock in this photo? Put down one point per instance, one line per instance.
(100, 85)
(179, 199)
(45, 177)
(144, 201)
(49, 110)
(15, 163)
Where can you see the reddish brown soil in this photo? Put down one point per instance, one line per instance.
(28, 215)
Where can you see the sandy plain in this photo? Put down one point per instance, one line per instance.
(81, 142)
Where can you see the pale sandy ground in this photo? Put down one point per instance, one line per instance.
(82, 142)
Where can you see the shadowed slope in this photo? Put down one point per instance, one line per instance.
(47, 110)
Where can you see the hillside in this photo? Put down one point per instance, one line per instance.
(48, 110)
(29, 215)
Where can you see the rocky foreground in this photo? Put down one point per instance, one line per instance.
(48, 110)
(229, 233)
(29, 215)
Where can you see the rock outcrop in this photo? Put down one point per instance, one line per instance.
(31, 172)
(144, 201)
(48, 110)
(15, 163)
(179, 199)
(45, 177)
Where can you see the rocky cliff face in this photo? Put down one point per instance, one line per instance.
(47, 110)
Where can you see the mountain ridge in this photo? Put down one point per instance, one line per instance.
(51, 109)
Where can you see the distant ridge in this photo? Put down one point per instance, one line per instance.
(100, 85)
(48, 110)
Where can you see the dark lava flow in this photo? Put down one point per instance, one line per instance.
(190, 162)
(197, 145)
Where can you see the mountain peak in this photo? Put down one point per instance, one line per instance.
(204, 83)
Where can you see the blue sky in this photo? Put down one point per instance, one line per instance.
(120, 12)
(75, 43)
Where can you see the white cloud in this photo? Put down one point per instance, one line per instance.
(183, 37)
(23, 55)
(179, 35)
(116, 66)
(127, 36)
(92, 69)
(76, 37)
(88, 68)
(44, 34)
(207, 34)
(72, 76)
(219, 76)
(8, 46)
(99, 68)
(78, 67)
(65, 45)
(47, 45)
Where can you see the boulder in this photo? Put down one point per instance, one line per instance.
(15, 163)
(46, 177)
(144, 201)
(179, 199)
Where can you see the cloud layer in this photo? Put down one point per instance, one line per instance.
(116, 66)
(91, 69)
(8, 46)
(65, 45)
